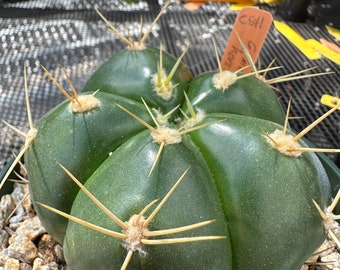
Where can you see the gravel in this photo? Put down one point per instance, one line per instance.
(24, 242)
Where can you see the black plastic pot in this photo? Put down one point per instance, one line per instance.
(294, 10)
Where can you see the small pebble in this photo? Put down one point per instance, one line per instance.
(58, 249)
(12, 264)
(25, 266)
(22, 248)
(3, 257)
(333, 259)
(46, 248)
(32, 228)
(39, 265)
(18, 194)
(7, 205)
(4, 236)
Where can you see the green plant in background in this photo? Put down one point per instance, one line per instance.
(246, 190)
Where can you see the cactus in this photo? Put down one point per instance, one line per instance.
(143, 170)
(237, 176)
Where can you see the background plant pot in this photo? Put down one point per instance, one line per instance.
(294, 10)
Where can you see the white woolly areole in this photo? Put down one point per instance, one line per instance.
(136, 46)
(193, 121)
(30, 136)
(161, 119)
(135, 233)
(166, 135)
(163, 89)
(331, 222)
(284, 143)
(84, 103)
(222, 80)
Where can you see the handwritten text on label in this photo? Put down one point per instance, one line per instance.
(251, 25)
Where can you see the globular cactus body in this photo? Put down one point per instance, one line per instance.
(130, 148)
(125, 188)
(261, 201)
(249, 96)
(135, 70)
(81, 140)
(89, 136)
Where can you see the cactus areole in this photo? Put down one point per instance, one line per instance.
(245, 201)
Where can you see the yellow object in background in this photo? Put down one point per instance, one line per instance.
(237, 7)
(330, 45)
(241, 4)
(236, 4)
(311, 48)
(296, 39)
(270, 1)
(330, 101)
(235, 1)
(333, 31)
(222, 1)
(324, 51)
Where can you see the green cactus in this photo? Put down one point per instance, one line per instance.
(246, 186)
(127, 154)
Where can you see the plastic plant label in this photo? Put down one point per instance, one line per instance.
(191, 6)
(330, 45)
(330, 101)
(251, 25)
